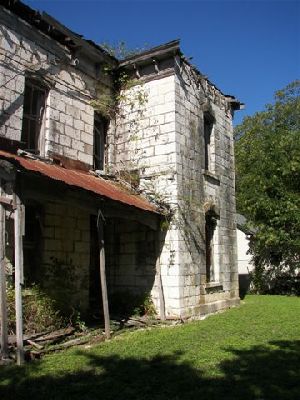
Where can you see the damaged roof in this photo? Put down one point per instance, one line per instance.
(54, 29)
(173, 49)
(73, 41)
(82, 180)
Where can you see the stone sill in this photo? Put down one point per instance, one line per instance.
(211, 177)
(213, 287)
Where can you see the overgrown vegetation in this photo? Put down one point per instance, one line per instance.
(111, 101)
(120, 50)
(39, 311)
(268, 190)
(248, 353)
(127, 304)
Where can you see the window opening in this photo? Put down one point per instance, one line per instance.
(210, 229)
(33, 114)
(32, 243)
(208, 127)
(100, 130)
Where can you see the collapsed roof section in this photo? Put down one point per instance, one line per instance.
(57, 31)
(157, 56)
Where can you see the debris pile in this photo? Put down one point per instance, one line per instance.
(38, 344)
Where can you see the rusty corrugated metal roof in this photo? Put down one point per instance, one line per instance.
(82, 180)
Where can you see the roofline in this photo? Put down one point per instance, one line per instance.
(172, 48)
(56, 30)
(169, 48)
(82, 180)
(235, 103)
(74, 41)
(241, 224)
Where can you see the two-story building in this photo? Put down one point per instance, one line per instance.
(136, 154)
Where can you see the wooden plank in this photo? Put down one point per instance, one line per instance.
(162, 310)
(18, 278)
(100, 222)
(3, 306)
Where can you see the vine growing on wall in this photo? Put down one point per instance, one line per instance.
(124, 105)
(109, 102)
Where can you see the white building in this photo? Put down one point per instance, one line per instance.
(155, 169)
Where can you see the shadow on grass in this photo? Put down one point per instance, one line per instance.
(262, 372)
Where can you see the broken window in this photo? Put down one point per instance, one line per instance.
(208, 128)
(210, 231)
(100, 130)
(35, 95)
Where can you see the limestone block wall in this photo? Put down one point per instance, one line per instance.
(145, 143)
(163, 143)
(130, 257)
(66, 254)
(144, 137)
(199, 189)
(190, 216)
(69, 117)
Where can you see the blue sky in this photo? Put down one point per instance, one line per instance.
(247, 48)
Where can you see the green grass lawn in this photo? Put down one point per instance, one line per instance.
(250, 352)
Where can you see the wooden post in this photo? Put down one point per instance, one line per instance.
(100, 221)
(162, 311)
(19, 224)
(3, 306)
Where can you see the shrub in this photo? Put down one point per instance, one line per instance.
(39, 311)
(275, 281)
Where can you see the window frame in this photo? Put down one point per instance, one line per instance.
(211, 244)
(34, 110)
(99, 146)
(208, 128)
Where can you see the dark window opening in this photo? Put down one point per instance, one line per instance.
(210, 226)
(100, 130)
(32, 243)
(33, 112)
(208, 126)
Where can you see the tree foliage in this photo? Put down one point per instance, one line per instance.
(268, 185)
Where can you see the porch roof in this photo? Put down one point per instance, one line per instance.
(81, 179)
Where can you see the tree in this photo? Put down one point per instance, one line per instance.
(268, 189)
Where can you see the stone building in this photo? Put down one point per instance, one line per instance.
(138, 153)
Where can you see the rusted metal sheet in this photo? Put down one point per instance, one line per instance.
(82, 180)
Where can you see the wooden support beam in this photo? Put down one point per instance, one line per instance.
(162, 310)
(100, 222)
(19, 224)
(3, 306)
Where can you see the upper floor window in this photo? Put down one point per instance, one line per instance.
(35, 95)
(208, 129)
(100, 130)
